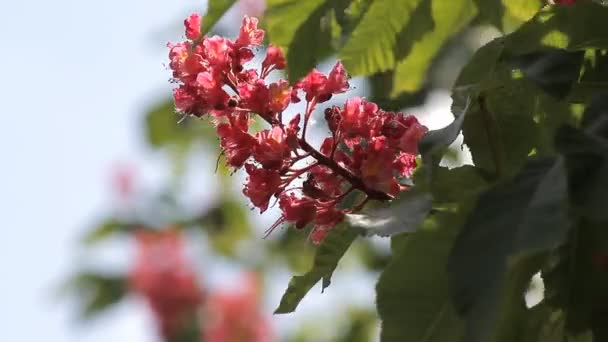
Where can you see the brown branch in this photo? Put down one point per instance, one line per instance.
(355, 181)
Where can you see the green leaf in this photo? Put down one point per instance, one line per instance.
(544, 324)
(511, 223)
(327, 256)
(98, 292)
(412, 293)
(507, 15)
(370, 47)
(380, 89)
(554, 71)
(165, 129)
(403, 215)
(576, 280)
(448, 18)
(453, 185)
(106, 229)
(438, 140)
(215, 11)
(586, 152)
(304, 29)
(554, 27)
(227, 225)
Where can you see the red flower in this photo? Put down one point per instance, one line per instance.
(254, 96)
(193, 26)
(403, 132)
(274, 58)
(271, 149)
(327, 217)
(163, 276)
(235, 316)
(359, 118)
(299, 210)
(405, 164)
(375, 167)
(186, 101)
(236, 142)
(249, 34)
(313, 84)
(317, 85)
(261, 185)
(337, 81)
(279, 96)
(218, 51)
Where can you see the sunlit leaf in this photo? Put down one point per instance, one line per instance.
(447, 19)
(215, 11)
(370, 47)
(327, 256)
(554, 27)
(304, 29)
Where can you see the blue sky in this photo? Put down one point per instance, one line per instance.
(76, 76)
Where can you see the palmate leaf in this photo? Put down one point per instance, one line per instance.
(304, 29)
(554, 71)
(447, 18)
(412, 293)
(492, 260)
(509, 115)
(555, 27)
(508, 15)
(327, 256)
(215, 11)
(370, 48)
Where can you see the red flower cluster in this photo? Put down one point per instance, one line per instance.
(235, 315)
(369, 150)
(163, 276)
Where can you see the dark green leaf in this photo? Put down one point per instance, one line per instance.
(446, 18)
(327, 256)
(554, 71)
(371, 45)
(511, 222)
(412, 293)
(555, 27)
(453, 185)
(576, 280)
(215, 11)
(545, 324)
